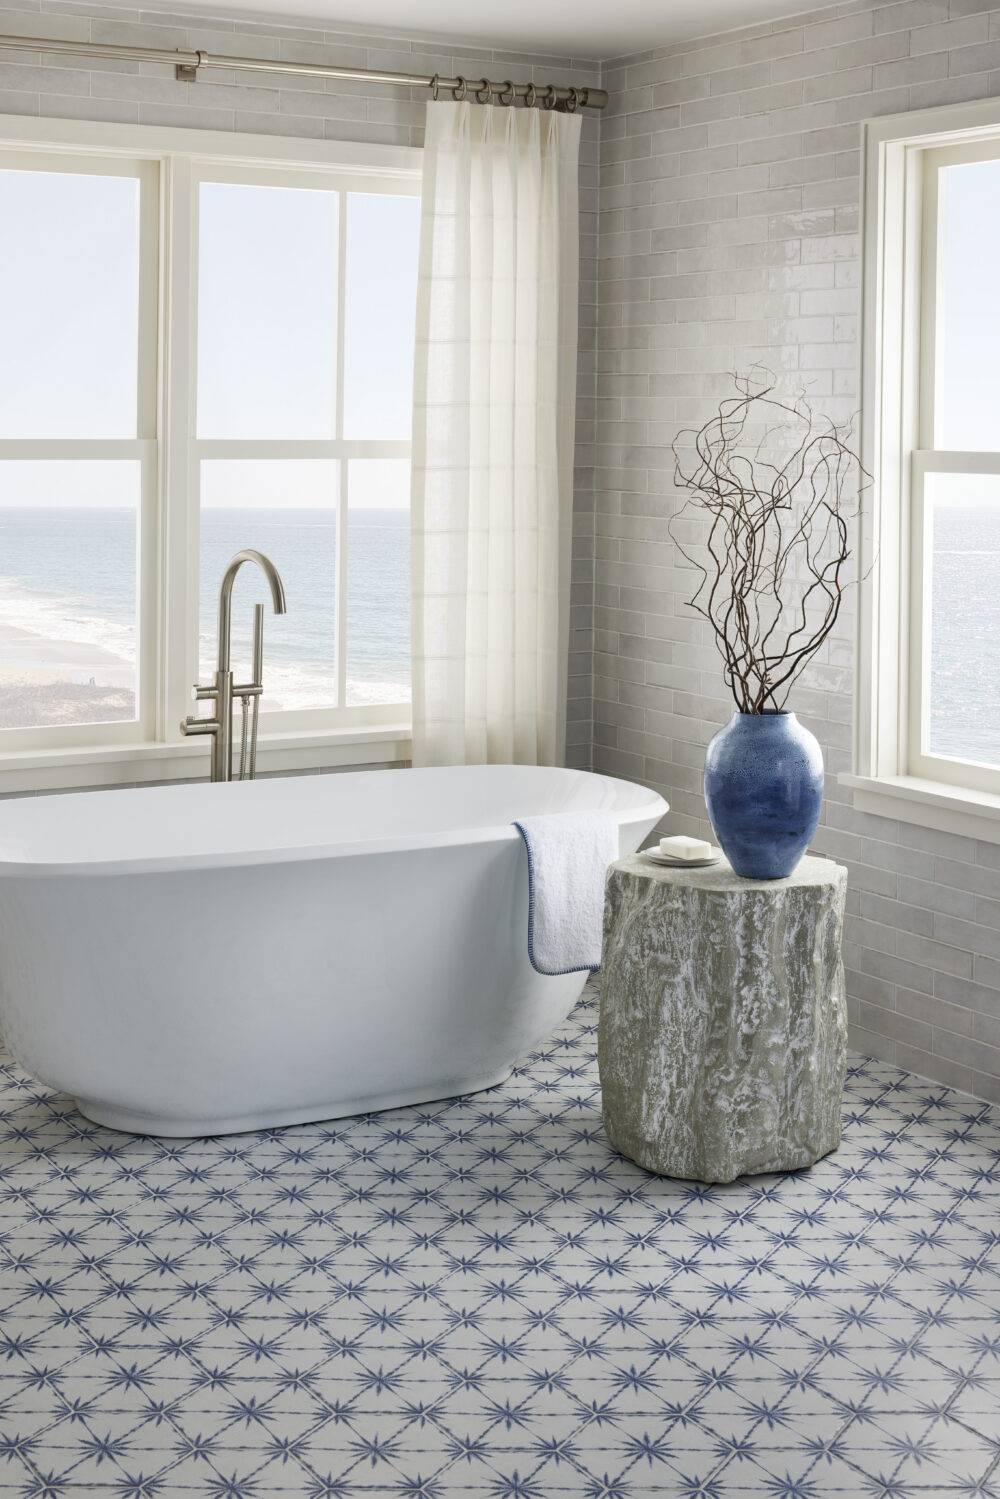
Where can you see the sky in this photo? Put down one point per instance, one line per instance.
(267, 325)
(266, 334)
(969, 310)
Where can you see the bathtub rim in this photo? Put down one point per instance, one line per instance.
(649, 806)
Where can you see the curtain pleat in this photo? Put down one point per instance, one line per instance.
(493, 421)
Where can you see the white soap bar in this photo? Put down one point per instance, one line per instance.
(681, 847)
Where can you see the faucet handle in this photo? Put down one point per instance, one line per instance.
(201, 694)
(191, 726)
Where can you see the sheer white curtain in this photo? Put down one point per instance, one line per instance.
(494, 392)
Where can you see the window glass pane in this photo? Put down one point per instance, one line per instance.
(382, 239)
(267, 311)
(69, 248)
(967, 399)
(378, 581)
(963, 559)
(288, 511)
(68, 565)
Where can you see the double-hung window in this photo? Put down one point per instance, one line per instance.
(207, 344)
(929, 668)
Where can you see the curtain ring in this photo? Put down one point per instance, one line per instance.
(530, 95)
(435, 82)
(549, 102)
(460, 91)
(572, 101)
(507, 94)
(485, 93)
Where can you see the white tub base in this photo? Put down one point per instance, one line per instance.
(129, 1123)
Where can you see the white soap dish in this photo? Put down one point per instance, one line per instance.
(655, 857)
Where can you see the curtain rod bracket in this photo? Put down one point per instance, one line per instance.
(187, 72)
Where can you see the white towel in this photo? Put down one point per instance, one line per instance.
(568, 858)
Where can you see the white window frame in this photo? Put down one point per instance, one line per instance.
(892, 776)
(169, 163)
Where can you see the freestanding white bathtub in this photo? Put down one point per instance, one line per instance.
(197, 960)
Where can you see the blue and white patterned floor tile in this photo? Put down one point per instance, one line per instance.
(479, 1297)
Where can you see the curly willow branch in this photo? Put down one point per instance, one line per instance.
(775, 488)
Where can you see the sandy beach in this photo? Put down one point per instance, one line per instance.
(44, 682)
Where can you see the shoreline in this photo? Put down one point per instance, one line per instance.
(30, 655)
(46, 681)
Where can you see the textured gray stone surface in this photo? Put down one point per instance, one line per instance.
(723, 1031)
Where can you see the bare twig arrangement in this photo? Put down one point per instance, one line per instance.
(778, 486)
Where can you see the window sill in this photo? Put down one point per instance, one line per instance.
(929, 804)
(143, 764)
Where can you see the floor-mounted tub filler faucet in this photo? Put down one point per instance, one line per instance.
(223, 691)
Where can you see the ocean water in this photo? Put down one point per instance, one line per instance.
(965, 632)
(69, 575)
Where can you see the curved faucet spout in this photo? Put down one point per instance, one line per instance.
(274, 582)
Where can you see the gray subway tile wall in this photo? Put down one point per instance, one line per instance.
(729, 236)
(720, 197)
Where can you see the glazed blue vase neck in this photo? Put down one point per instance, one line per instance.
(771, 716)
(764, 792)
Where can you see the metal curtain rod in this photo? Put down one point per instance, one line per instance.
(188, 65)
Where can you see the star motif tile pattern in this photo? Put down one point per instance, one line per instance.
(479, 1297)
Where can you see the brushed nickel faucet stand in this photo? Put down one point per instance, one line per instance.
(223, 691)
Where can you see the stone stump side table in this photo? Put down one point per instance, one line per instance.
(722, 1043)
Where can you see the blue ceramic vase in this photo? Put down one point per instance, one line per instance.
(764, 791)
